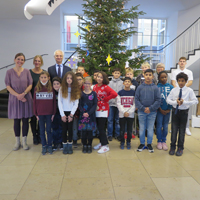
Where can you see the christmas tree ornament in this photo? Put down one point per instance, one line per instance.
(77, 34)
(87, 27)
(109, 59)
(87, 53)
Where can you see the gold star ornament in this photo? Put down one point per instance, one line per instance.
(109, 59)
(87, 27)
(77, 34)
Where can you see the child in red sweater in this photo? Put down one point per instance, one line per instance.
(44, 106)
(104, 94)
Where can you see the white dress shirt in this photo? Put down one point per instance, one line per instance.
(185, 71)
(61, 69)
(188, 96)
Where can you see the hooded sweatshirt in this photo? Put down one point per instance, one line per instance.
(116, 85)
(165, 90)
(147, 95)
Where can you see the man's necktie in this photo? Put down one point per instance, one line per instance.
(59, 72)
(179, 98)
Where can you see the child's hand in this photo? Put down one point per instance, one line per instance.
(70, 118)
(52, 117)
(37, 118)
(126, 114)
(86, 115)
(147, 110)
(64, 119)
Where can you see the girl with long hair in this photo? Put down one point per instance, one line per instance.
(104, 94)
(68, 97)
(44, 106)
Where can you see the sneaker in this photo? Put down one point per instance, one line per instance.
(122, 145)
(188, 131)
(103, 149)
(159, 146)
(141, 147)
(171, 152)
(150, 148)
(55, 147)
(44, 150)
(164, 146)
(110, 138)
(179, 152)
(50, 150)
(128, 145)
(97, 146)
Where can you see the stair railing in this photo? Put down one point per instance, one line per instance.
(183, 45)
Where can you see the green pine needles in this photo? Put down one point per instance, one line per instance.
(106, 27)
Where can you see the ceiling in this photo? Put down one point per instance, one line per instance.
(14, 9)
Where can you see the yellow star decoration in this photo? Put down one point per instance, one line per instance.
(87, 27)
(109, 59)
(77, 34)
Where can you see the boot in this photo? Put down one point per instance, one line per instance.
(70, 150)
(65, 148)
(89, 149)
(24, 144)
(35, 140)
(84, 149)
(17, 144)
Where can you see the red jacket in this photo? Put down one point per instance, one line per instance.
(44, 103)
(104, 94)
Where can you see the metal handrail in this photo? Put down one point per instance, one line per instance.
(25, 60)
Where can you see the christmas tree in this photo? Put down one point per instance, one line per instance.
(106, 27)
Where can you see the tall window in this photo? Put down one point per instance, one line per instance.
(152, 35)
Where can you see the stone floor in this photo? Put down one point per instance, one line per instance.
(118, 174)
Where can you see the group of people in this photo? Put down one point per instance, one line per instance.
(65, 103)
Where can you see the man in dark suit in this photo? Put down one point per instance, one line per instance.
(58, 69)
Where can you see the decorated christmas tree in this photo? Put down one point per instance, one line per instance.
(106, 27)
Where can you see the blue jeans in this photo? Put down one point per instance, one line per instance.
(42, 120)
(113, 115)
(146, 122)
(57, 129)
(162, 126)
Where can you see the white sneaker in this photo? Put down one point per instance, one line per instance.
(97, 146)
(103, 149)
(188, 131)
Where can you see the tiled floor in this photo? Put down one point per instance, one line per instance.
(118, 174)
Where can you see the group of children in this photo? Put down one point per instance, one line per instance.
(76, 104)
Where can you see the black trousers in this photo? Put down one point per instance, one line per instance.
(179, 122)
(67, 130)
(123, 121)
(87, 137)
(35, 126)
(101, 125)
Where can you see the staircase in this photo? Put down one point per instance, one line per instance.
(4, 104)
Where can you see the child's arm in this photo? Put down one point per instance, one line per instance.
(193, 99)
(138, 105)
(74, 107)
(80, 107)
(111, 94)
(132, 109)
(92, 110)
(119, 105)
(157, 101)
(60, 105)
(170, 99)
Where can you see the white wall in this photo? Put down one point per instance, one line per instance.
(41, 35)
(187, 17)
